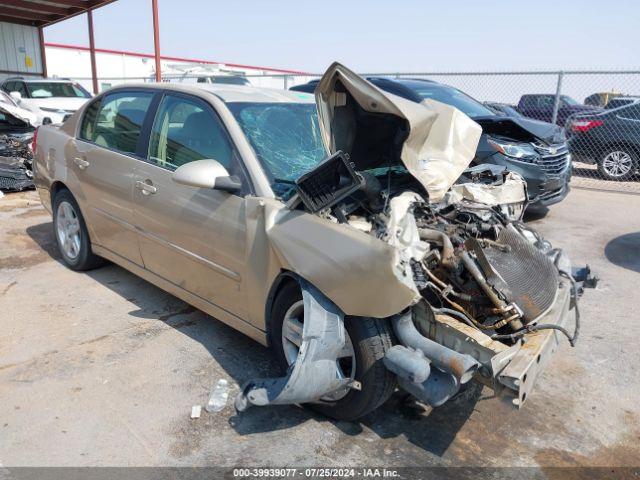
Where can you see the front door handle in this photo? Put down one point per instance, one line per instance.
(146, 187)
(81, 163)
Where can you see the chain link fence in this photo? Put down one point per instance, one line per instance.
(599, 110)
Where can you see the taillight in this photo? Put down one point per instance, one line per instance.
(580, 126)
(34, 141)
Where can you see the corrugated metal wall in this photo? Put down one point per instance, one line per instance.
(19, 50)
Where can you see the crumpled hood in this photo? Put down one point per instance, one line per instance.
(522, 127)
(19, 117)
(434, 141)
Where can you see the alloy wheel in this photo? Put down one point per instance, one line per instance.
(68, 230)
(617, 163)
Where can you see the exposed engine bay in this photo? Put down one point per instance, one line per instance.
(16, 161)
(473, 260)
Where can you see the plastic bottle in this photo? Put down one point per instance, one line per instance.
(218, 397)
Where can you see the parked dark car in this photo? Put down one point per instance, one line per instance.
(621, 102)
(308, 87)
(540, 107)
(610, 139)
(536, 150)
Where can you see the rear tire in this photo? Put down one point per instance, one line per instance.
(371, 339)
(71, 233)
(618, 163)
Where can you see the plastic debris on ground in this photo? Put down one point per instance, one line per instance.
(219, 395)
(196, 411)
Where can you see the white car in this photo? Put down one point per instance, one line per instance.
(54, 99)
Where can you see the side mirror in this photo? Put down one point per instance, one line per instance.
(206, 174)
(16, 95)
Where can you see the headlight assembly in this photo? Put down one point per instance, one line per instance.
(519, 151)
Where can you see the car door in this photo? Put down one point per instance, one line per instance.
(628, 131)
(102, 158)
(193, 237)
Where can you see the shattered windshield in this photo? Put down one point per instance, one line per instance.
(286, 138)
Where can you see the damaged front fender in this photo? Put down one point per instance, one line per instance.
(338, 259)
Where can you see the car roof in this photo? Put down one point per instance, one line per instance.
(229, 93)
(38, 80)
(408, 82)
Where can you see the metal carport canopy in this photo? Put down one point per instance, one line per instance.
(38, 13)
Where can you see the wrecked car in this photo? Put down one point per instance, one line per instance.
(333, 231)
(16, 135)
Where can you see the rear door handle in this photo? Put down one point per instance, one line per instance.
(146, 187)
(81, 163)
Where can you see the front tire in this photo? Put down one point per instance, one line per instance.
(369, 340)
(618, 163)
(71, 233)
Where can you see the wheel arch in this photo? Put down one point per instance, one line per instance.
(56, 187)
(635, 148)
(284, 278)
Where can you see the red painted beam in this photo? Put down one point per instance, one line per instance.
(176, 59)
(156, 40)
(92, 52)
(43, 54)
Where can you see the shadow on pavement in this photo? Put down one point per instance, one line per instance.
(243, 359)
(624, 251)
(42, 234)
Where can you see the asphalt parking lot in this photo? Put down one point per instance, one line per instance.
(102, 368)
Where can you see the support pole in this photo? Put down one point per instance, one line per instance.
(43, 55)
(556, 103)
(92, 52)
(156, 39)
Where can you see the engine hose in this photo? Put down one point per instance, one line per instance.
(463, 296)
(574, 290)
(432, 235)
(444, 293)
(547, 326)
(455, 313)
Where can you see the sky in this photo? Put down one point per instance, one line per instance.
(374, 35)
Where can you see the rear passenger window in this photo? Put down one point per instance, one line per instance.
(185, 130)
(119, 121)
